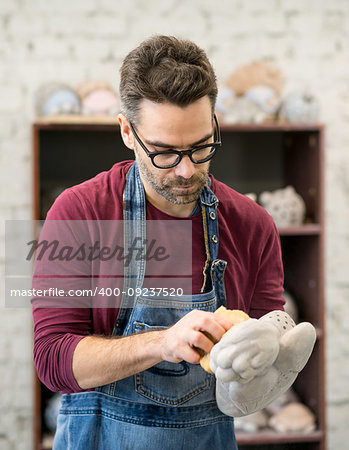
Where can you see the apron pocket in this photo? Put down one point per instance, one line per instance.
(173, 384)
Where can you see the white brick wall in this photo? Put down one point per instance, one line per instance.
(70, 41)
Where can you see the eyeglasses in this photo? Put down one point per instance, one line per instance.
(165, 159)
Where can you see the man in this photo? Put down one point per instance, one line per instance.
(146, 389)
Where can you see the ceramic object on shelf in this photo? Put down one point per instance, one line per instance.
(57, 99)
(286, 207)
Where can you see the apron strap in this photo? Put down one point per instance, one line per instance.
(134, 226)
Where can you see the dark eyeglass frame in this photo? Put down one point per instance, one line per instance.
(180, 153)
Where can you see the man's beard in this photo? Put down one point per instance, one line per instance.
(167, 188)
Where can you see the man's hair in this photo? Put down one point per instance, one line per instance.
(165, 69)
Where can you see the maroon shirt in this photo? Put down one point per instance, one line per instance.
(248, 241)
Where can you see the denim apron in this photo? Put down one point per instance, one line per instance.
(168, 406)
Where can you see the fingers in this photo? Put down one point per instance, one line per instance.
(210, 323)
(196, 330)
(177, 348)
(200, 341)
(189, 355)
(223, 321)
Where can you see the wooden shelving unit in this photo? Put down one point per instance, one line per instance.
(253, 158)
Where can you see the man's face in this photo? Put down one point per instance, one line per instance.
(163, 126)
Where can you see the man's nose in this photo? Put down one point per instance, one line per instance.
(185, 168)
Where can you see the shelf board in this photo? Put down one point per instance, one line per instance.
(272, 126)
(77, 123)
(306, 229)
(272, 437)
(72, 120)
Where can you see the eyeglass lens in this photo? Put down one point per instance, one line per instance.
(169, 158)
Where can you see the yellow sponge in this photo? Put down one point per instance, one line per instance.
(236, 316)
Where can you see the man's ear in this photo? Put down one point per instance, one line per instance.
(126, 132)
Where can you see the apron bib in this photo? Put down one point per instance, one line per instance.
(170, 405)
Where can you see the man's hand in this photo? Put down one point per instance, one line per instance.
(100, 360)
(258, 360)
(180, 340)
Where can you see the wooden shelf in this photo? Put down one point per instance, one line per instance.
(272, 126)
(301, 230)
(110, 121)
(253, 158)
(76, 119)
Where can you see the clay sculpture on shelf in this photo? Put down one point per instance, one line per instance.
(98, 98)
(286, 207)
(300, 106)
(294, 417)
(252, 94)
(57, 99)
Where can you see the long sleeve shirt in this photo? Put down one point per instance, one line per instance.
(248, 241)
